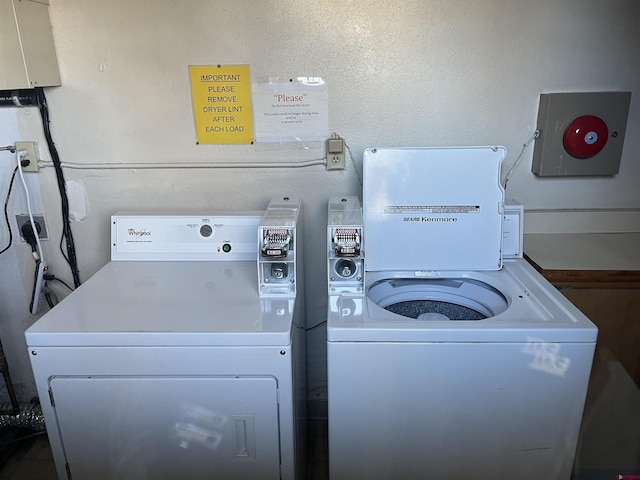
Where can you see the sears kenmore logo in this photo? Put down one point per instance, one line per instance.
(430, 219)
(139, 233)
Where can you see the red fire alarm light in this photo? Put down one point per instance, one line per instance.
(585, 136)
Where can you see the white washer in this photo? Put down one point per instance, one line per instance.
(168, 363)
(450, 360)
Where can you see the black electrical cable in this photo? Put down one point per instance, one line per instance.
(67, 235)
(50, 277)
(6, 215)
(308, 329)
(49, 300)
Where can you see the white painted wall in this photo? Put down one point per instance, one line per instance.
(16, 264)
(399, 73)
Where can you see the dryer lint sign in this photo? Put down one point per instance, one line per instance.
(222, 103)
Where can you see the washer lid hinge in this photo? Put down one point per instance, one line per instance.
(53, 403)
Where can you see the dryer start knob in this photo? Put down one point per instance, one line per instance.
(206, 230)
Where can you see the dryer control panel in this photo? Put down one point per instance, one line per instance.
(345, 244)
(204, 237)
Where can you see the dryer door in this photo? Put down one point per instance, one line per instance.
(168, 427)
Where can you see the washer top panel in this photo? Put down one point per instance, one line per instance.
(433, 208)
(518, 304)
(167, 304)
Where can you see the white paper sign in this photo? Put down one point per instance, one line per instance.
(291, 110)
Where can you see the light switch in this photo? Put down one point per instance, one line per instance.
(580, 133)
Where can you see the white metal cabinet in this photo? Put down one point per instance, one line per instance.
(452, 410)
(27, 52)
(167, 364)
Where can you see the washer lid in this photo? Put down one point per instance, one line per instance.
(433, 208)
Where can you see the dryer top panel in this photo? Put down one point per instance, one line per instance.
(167, 304)
(433, 208)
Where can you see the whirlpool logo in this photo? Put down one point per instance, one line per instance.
(139, 233)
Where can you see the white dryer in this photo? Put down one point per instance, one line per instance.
(177, 360)
(448, 358)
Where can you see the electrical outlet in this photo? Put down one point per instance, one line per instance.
(27, 151)
(335, 153)
(43, 234)
(336, 161)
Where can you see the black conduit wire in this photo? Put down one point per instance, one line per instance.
(67, 235)
(6, 215)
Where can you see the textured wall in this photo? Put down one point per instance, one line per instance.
(399, 73)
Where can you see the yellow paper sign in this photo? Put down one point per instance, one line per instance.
(222, 103)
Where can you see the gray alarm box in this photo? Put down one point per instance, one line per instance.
(557, 110)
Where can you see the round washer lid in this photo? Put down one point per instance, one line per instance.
(433, 208)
